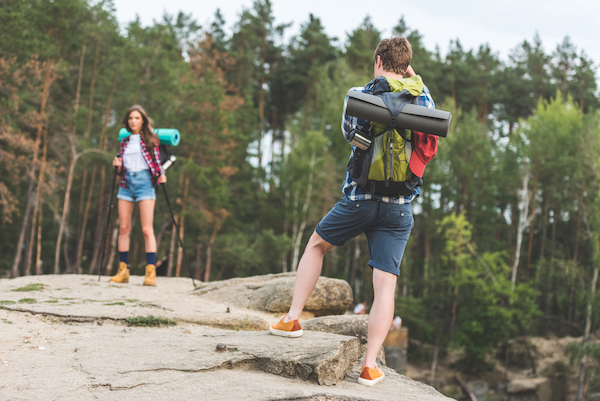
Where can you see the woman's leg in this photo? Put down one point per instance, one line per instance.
(125, 211)
(147, 218)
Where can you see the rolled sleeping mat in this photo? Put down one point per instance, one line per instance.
(167, 136)
(412, 117)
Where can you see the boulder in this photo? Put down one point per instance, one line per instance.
(395, 347)
(538, 389)
(273, 293)
(347, 325)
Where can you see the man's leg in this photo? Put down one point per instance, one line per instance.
(381, 315)
(309, 270)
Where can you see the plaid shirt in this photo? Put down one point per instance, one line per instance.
(156, 169)
(350, 188)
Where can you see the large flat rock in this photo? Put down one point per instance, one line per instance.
(65, 358)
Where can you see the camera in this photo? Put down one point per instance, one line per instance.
(360, 137)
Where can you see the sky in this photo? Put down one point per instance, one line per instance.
(503, 25)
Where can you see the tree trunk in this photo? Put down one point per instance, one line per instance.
(92, 84)
(65, 214)
(49, 77)
(579, 220)
(213, 236)
(586, 335)
(161, 232)
(435, 358)
(102, 143)
(182, 225)
(84, 220)
(113, 248)
(531, 230)
(77, 259)
(198, 260)
(172, 249)
(303, 215)
(286, 227)
(524, 199)
(38, 204)
(32, 231)
(38, 254)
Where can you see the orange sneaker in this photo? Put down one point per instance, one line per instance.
(289, 329)
(370, 377)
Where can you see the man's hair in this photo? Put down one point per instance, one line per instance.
(395, 53)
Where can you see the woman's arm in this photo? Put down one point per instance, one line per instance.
(118, 162)
(162, 178)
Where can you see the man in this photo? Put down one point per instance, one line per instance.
(386, 220)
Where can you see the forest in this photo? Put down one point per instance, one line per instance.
(506, 240)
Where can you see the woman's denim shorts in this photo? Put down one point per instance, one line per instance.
(139, 187)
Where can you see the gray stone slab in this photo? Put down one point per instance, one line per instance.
(54, 358)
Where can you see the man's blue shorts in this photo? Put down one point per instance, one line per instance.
(139, 187)
(387, 226)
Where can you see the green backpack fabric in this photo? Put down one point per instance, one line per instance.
(383, 168)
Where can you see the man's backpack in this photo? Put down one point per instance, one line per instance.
(383, 168)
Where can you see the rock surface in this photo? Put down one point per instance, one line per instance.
(78, 345)
(273, 293)
(347, 325)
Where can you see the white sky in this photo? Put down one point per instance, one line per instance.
(501, 24)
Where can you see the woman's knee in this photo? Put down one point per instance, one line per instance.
(148, 232)
(124, 229)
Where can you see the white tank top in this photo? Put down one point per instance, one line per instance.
(133, 158)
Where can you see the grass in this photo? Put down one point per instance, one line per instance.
(7, 321)
(7, 302)
(150, 321)
(52, 301)
(27, 301)
(116, 303)
(244, 323)
(31, 287)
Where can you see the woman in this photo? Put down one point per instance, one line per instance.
(140, 169)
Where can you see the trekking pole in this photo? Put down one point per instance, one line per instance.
(110, 206)
(192, 272)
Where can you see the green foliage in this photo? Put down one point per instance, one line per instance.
(6, 302)
(27, 301)
(31, 287)
(591, 352)
(150, 321)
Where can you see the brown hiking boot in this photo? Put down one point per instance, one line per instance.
(150, 275)
(122, 275)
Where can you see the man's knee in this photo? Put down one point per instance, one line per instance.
(318, 243)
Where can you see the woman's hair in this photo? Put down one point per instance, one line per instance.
(148, 135)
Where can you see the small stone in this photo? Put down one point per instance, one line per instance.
(221, 347)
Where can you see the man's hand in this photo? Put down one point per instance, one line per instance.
(162, 179)
(117, 162)
(410, 72)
